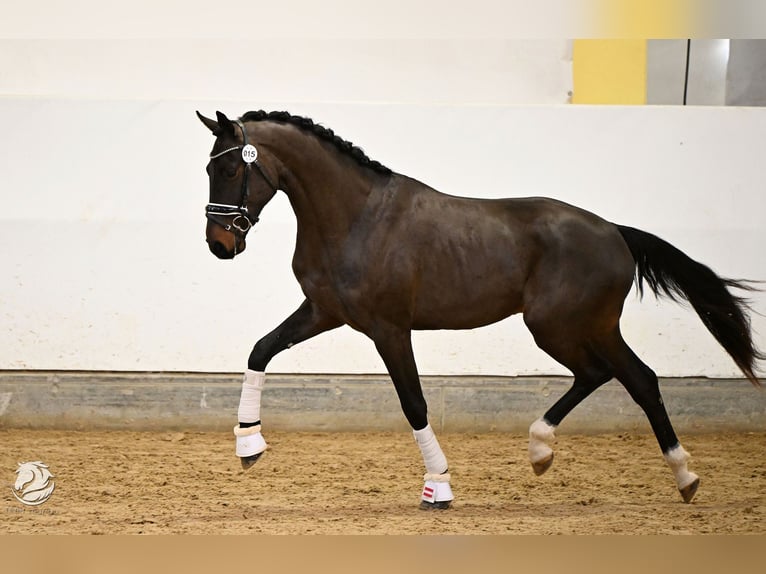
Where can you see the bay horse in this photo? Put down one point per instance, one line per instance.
(386, 255)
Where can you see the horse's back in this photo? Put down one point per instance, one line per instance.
(476, 261)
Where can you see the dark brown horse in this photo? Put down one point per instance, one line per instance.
(386, 254)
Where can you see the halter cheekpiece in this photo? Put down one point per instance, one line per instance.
(242, 220)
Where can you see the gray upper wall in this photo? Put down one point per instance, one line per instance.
(721, 72)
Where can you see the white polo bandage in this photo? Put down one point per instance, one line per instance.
(678, 459)
(540, 434)
(250, 399)
(249, 441)
(433, 457)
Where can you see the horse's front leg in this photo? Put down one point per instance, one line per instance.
(307, 321)
(395, 348)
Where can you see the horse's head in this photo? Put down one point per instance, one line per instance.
(239, 186)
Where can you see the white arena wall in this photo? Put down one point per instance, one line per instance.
(104, 264)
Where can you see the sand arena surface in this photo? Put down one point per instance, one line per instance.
(369, 483)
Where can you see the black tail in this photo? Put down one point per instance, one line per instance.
(669, 271)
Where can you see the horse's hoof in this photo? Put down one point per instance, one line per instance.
(688, 492)
(248, 461)
(443, 505)
(542, 465)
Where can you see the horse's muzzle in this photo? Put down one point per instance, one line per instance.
(219, 250)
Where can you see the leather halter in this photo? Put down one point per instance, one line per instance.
(219, 212)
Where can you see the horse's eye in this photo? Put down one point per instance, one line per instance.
(228, 171)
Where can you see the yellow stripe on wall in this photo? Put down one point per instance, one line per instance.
(609, 72)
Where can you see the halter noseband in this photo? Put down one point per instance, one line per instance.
(216, 212)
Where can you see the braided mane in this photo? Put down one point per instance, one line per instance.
(323, 133)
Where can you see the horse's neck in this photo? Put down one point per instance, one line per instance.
(327, 193)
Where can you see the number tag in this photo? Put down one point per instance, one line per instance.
(249, 153)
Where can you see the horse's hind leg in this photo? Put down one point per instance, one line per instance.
(590, 373)
(541, 432)
(593, 365)
(642, 385)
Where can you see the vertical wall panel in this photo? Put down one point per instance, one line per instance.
(746, 76)
(609, 72)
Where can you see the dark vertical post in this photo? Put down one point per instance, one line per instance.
(686, 74)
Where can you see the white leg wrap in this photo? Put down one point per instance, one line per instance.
(433, 457)
(677, 459)
(250, 399)
(249, 441)
(436, 486)
(540, 434)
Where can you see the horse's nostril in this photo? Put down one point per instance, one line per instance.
(220, 251)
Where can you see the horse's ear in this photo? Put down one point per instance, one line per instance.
(224, 124)
(212, 125)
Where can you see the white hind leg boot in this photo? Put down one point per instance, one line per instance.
(249, 440)
(540, 454)
(436, 479)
